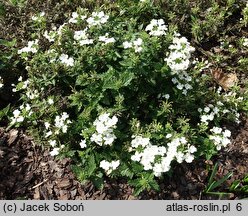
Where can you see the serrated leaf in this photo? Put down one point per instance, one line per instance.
(91, 165)
(79, 172)
(98, 181)
(127, 173)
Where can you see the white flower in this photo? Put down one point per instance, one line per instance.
(115, 164)
(28, 107)
(47, 125)
(179, 157)
(86, 42)
(189, 158)
(180, 53)
(138, 49)
(16, 113)
(65, 59)
(97, 18)
(168, 136)
(140, 141)
(104, 127)
(109, 166)
(106, 39)
(127, 44)
(245, 42)
(20, 119)
(50, 101)
(74, 18)
(105, 165)
(156, 27)
(50, 36)
(138, 42)
(79, 35)
(52, 143)
(227, 133)
(83, 144)
(192, 149)
(61, 123)
(1, 82)
(97, 138)
(54, 152)
(64, 128)
(111, 121)
(216, 130)
(20, 79)
(109, 138)
(49, 133)
(136, 156)
(32, 47)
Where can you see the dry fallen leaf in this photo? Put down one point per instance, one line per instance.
(226, 81)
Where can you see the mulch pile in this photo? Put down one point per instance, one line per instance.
(29, 172)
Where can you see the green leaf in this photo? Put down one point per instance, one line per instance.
(8, 43)
(91, 165)
(126, 78)
(211, 179)
(79, 172)
(4, 111)
(127, 172)
(218, 183)
(98, 181)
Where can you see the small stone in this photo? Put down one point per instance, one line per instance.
(65, 183)
(13, 134)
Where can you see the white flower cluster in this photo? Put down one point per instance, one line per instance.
(97, 18)
(183, 82)
(65, 59)
(32, 47)
(220, 137)
(180, 53)
(166, 96)
(232, 97)
(1, 82)
(32, 94)
(156, 27)
(136, 44)
(209, 112)
(83, 144)
(39, 17)
(55, 151)
(104, 129)
(106, 39)
(75, 17)
(159, 158)
(20, 114)
(60, 124)
(51, 35)
(109, 166)
(24, 85)
(82, 37)
(245, 42)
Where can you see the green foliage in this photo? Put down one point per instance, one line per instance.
(145, 181)
(17, 3)
(214, 184)
(240, 186)
(93, 91)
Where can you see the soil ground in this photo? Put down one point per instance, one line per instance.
(29, 172)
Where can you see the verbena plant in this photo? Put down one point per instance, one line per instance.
(120, 91)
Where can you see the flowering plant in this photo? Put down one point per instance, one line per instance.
(122, 95)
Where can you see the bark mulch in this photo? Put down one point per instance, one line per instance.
(29, 172)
